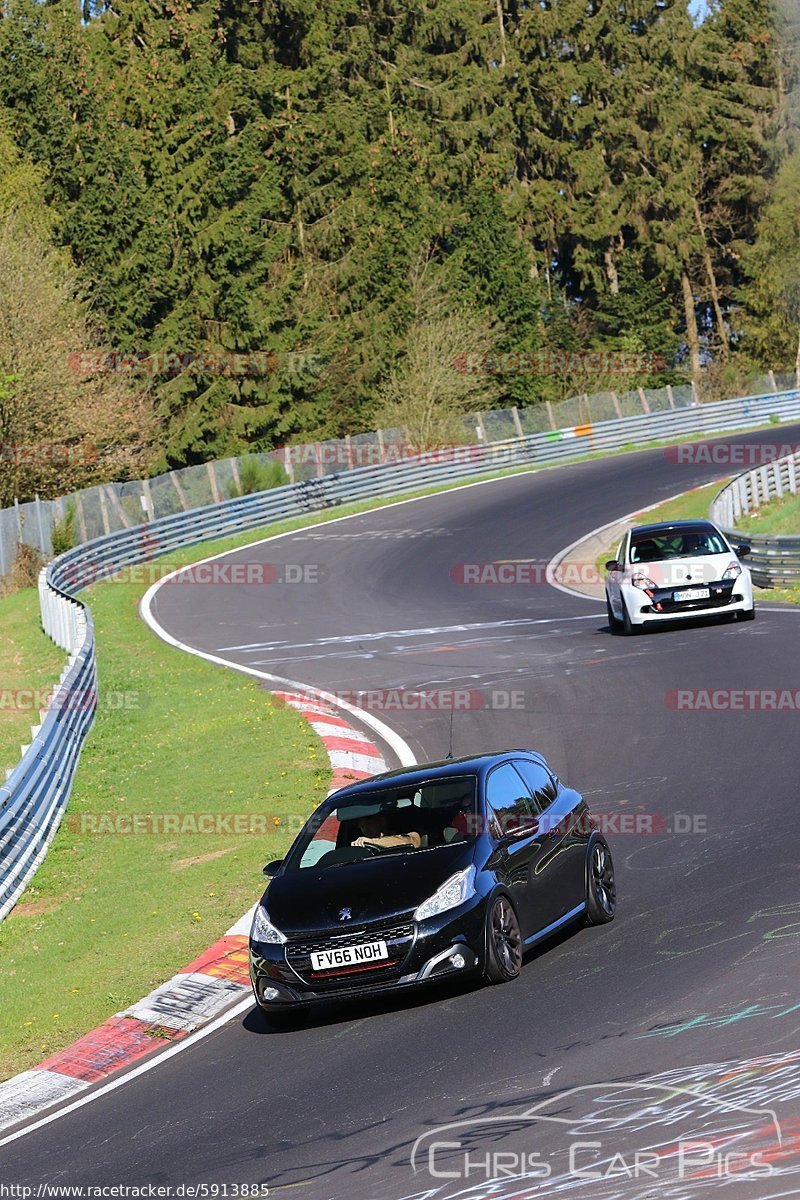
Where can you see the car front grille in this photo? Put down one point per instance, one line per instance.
(398, 938)
(721, 593)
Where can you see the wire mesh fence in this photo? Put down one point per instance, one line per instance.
(111, 507)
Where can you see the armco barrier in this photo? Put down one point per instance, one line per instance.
(774, 560)
(33, 799)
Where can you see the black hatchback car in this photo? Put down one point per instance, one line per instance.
(445, 869)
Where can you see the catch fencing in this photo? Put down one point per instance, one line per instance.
(774, 559)
(34, 797)
(112, 507)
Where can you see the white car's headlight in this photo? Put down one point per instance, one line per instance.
(455, 891)
(732, 571)
(262, 929)
(640, 580)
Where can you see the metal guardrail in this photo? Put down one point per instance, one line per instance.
(34, 797)
(774, 560)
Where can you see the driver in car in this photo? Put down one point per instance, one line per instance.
(375, 831)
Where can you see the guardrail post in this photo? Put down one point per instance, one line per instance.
(776, 471)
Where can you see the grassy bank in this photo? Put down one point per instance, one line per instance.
(30, 665)
(778, 517)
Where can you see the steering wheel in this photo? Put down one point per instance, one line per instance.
(371, 847)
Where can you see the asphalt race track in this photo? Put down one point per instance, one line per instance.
(678, 1023)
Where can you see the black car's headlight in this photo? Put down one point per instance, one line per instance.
(454, 891)
(262, 929)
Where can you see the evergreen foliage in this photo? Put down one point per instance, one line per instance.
(248, 195)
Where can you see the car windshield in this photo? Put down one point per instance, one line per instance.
(389, 820)
(688, 543)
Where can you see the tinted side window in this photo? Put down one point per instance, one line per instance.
(508, 798)
(540, 782)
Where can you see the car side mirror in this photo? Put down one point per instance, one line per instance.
(272, 868)
(613, 564)
(742, 551)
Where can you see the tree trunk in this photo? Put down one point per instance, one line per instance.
(692, 336)
(391, 117)
(719, 319)
(501, 23)
(611, 271)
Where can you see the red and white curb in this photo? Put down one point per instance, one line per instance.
(197, 994)
(352, 755)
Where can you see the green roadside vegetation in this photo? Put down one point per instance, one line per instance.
(30, 666)
(778, 517)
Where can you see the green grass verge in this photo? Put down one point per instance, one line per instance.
(29, 662)
(778, 517)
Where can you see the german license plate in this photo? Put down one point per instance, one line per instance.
(692, 594)
(349, 956)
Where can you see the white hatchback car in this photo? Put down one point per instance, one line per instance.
(675, 570)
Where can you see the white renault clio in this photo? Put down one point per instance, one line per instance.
(676, 570)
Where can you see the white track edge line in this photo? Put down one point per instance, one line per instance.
(134, 1072)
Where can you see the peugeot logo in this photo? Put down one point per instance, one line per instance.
(345, 914)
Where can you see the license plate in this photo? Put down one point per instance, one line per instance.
(349, 956)
(692, 594)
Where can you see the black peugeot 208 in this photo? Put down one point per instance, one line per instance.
(442, 869)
